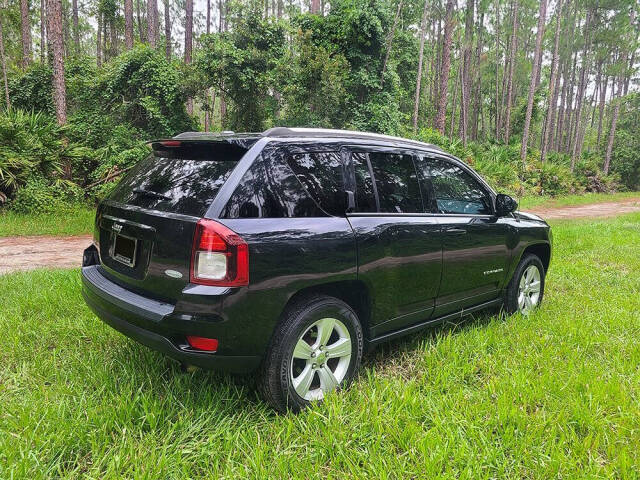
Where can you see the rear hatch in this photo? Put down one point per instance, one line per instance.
(145, 227)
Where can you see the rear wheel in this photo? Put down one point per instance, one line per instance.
(526, 288)
(316, 349)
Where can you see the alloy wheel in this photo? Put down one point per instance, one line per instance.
(321, 358)
(529, 289)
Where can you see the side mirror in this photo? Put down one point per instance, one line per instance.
(505, 205)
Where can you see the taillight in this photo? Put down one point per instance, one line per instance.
(220, 256)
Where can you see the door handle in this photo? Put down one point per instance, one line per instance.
(455, 231)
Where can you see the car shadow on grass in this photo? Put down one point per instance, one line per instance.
(153, 374)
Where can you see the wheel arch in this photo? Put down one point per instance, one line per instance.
(352, 292)
(542, 251)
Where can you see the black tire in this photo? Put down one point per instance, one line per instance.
(275, 380)
(512, 291)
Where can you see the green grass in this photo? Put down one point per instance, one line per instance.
(570, 200)
(555, 394)
(74, 222)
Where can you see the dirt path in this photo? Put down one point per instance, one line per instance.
(593, 210)
(27, 253)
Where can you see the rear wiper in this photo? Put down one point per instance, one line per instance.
(150, 193)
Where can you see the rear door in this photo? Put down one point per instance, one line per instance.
(145, 227)
(475, 241)
(399, 244)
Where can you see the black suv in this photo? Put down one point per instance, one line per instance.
(294, 250)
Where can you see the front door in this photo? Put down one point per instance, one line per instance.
(398, 243)
(476, 254)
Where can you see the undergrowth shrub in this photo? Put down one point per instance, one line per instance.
(39, 195)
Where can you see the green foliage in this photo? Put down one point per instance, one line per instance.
(241, 63)
(29, 143)
(39, 195)
(313, 84)
(31, 90)
(141, 88)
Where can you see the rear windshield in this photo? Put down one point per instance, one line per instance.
(181, 180)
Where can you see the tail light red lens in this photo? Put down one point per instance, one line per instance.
(203, 343)
(220, 256)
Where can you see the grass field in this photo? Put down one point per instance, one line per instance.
(75, 222)
(572, 200)
(552, 395)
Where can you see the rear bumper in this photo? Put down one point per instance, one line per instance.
(142, 319)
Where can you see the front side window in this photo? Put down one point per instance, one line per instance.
(396, 183)
(455, 190)
(270, 189)
(321, 175)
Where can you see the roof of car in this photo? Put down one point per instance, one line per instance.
(306, 133)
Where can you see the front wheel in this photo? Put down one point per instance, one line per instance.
(316, 349)
(526, 288)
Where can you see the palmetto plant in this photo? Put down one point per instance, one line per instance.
(30, 143)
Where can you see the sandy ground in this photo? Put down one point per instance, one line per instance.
(594, 210)
(27, 253)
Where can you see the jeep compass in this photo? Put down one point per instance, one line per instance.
(293, 251)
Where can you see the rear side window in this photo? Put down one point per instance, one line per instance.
(270, 189)
(396, 183)
(321, 175)
(365, 196)
(182, 180)
(456, 191)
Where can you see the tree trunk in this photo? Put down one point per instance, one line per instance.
(25, 23)
(54, 15)
(208, 17)
(575, 147)
(99, 40)
(43, 29)
(128, 24)
(534, 79)
(553, 88)
(167, 30)
(390, 41)
(466, 70)
(498, 106)
(4, 68)
(603, 97)
(446, 66)
(512, 58)
(188, 43)
(76, 28)
(315, 7)
(423, 25)
(477, 80)
(280, 8)
(140, 22)
(220, 12)
(152, 8)
(113, 37)
(188, 31)
(570, 106)
(612, 130)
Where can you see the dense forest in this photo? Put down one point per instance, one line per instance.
(540, 96)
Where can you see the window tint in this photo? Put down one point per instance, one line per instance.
(396, 182)
(365, 198)
(178, 185)
(321, 175)
(456, 191)
(269, 189)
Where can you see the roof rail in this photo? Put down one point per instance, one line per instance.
(328, 132)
